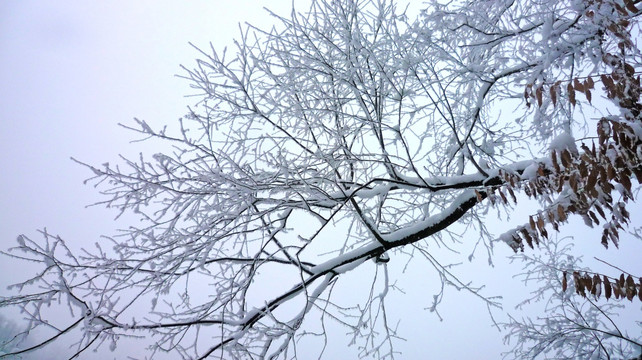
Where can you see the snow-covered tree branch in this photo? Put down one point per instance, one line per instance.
(353, 131)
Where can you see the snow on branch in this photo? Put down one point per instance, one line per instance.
(342, 134)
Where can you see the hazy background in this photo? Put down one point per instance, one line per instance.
(71, 71)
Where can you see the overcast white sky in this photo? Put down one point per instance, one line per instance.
(71, 71)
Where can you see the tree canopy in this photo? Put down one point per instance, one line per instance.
(350, 135)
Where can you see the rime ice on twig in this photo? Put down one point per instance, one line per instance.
(351, 119)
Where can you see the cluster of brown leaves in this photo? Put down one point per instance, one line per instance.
(555, 90)
(623, 287)
(618, 27)
(622, 85)
(593, 179)
(590, 180)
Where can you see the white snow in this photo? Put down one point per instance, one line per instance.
(530, 173)
(564, 141)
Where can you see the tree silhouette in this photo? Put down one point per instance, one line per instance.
(348, 133)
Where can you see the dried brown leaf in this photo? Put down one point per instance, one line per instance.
(573, 182)
(579, 286)
(567, 160)
(589, 84)
(551, 216)
(577, 85)
(527, 236)
(626, 182)
(605, 239)
(607, 81)
(560, 184)
(561, 213)
(588, 95)
(588, 281)
(541, 171)
(610, 172)
(583, 169)
(597, 284)
(592, 179)
(600, 211)
(631, 6)
(540, 222)
(630, 288)
(544, 234)
(501, 194)
(531, 222)
(571, 94)
(512, 194)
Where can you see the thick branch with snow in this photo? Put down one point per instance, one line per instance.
(350, 118)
